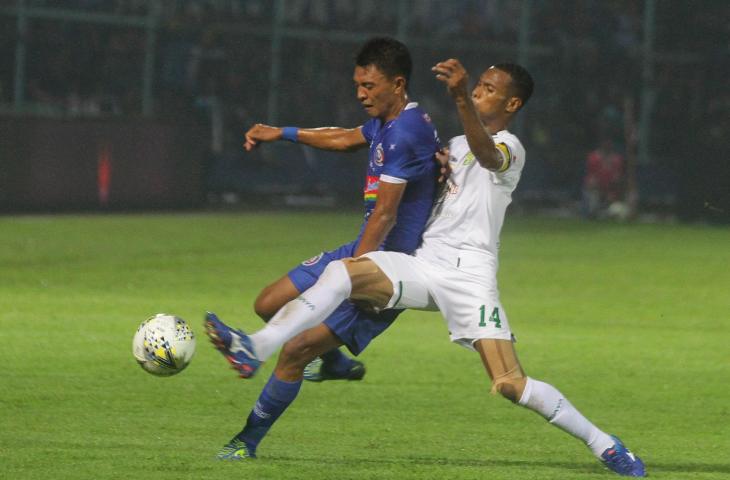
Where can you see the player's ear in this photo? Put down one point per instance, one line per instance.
(399, 84)
(514, 104)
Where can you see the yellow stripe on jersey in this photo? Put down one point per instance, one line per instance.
(506, 156)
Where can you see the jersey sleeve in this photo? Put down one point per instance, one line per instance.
(369, 129)
(513, 157)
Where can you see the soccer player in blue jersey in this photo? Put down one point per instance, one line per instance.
(399, 192)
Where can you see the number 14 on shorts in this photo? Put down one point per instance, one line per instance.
(493, 317)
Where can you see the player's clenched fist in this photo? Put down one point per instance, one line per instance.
(261, 133)
(454, 75)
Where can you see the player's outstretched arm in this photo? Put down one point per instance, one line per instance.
(326, 138)
(383, 217)
(454, 75)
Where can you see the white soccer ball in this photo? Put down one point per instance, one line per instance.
(164, 345)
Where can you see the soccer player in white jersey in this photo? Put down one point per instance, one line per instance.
(455, 268)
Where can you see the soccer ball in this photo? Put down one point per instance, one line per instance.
(163, 345)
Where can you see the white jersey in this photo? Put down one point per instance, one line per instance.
(455, 269)
(469, 214)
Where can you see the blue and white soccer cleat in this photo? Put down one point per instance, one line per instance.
(619, 459)
(234, 344)
(236, 450)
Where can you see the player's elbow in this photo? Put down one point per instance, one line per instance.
(488, 159)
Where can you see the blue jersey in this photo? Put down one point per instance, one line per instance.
(402, 150)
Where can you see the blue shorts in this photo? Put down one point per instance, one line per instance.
(352, 326)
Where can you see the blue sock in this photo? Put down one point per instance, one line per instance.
(336, 361)
(276, 396)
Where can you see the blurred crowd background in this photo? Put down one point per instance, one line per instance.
(638, 88)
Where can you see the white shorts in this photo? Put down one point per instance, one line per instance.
(465, 292)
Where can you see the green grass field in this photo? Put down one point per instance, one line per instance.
(631, 322)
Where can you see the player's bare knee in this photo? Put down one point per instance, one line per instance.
(503, 367)
(510, 388)
(508, 391)
(262, 312)
(263, 306)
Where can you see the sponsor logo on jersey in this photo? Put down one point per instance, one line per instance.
(311, 261)
(379, 155)
(371, 188)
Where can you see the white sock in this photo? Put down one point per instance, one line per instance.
(304, 312)
(551, 404)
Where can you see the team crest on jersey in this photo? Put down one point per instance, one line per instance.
(469, 159)
(311, 261)
(427, 117)
(379, 155)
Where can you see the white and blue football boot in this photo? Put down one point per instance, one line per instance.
(619, 459)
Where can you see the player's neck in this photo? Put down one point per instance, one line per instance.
(398, 107)
(495, 125)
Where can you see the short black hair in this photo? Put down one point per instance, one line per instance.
(522, 83)
(389, 56)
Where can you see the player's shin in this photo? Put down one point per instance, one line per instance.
(546, 400)
(276, 396)
(304, 312)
